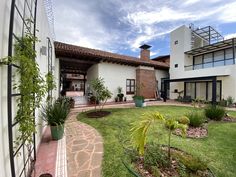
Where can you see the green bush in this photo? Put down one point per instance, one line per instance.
(230, 100)
(214, 112)
(183, 120)
(191, 163)
(196, 118)
(154, 156)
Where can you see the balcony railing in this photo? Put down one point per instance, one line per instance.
(223, 62)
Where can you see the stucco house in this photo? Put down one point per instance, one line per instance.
(202, 64)
(116, 70)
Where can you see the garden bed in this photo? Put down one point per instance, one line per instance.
(98, 114)
(194, 132)
(181, 163)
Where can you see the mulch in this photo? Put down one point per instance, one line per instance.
(229, 119)
(194, 132)
(98, 114)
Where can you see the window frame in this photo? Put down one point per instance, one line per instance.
(129, 86)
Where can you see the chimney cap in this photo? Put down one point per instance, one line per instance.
(145, 46)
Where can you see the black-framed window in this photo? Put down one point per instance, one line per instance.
(130, 86)
(213, 59)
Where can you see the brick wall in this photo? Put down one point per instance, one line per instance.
(146, 83)
(145, 54)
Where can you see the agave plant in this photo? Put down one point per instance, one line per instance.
(140, 128)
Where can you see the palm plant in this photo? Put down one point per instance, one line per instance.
(172, 125)
(140, 129)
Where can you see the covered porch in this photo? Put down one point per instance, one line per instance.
(207, 88)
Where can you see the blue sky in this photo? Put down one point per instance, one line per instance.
(121, 26)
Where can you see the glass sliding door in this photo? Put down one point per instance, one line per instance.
(190, 89)
(202, 90)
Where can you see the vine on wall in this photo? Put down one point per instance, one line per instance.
(31, 85)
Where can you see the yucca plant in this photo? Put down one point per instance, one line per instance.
(140, 129)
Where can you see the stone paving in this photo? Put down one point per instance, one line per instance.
(84, 149)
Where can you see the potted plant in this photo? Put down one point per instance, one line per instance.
(138, 100)
(55, 115)
(72, 102)
(120, 95)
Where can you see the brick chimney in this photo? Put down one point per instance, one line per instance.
(145, 52)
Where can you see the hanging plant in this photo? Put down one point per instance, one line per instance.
(31, 85)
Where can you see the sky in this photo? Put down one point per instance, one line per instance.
(122, 26)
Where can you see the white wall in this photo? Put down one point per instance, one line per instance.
(115, 76)
(43, 27)
(4, 30)
(183, 36)
(43, 34)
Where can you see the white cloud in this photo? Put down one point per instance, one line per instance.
(190, 2)
(165, 14)
(97, 24)
(153, 53)
(229, 36)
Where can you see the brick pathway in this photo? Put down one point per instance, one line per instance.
(84, 147)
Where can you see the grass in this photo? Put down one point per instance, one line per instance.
(219, 149)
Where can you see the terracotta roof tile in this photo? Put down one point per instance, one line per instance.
(68, 50)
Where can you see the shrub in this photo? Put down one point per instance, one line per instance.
(191, 163)
(230, 100)
(183, 120)
(214, 112)
(196, 118)
(154, 156)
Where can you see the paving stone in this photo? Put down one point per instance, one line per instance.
(84, 149)
(85, 173)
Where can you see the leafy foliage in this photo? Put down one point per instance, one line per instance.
(50, 84)
(101, 93)
(172, 125)
(214, 112)
(196, 118)
(154, 156)
(139, 129)
(31, 85)
(183, 120)
(56, 113)
(230, 100)
(190, 162)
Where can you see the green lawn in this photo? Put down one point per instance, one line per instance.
(218, 149)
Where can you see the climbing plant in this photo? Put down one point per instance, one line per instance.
(31, 85)
(50, 84)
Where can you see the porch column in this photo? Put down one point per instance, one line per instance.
(84, 83)
(165, 91)
(214, 90)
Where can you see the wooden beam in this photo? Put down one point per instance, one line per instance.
(76, 60)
